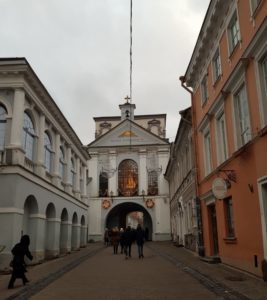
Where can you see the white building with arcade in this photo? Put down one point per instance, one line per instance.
(43, 169)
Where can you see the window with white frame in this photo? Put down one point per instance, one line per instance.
(72, 173)
(47, 152)
(61, 163)
(254, 4)
(207, 151)
(242, 120)
(3, 115)
(233, 33)
(221, 137)
(204, 89)
(28, 136)
(263, 85)
(216, 63)
(229, 218)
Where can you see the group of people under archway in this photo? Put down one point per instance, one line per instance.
(125, 238)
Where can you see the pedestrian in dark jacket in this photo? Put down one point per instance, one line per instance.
(18, 264)
(121, 240)
(140, 238)
(127, 241)
(115, 239)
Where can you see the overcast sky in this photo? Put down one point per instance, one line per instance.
(80, 51)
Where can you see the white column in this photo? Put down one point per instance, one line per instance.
(75, 236)
(52, 238)
(40, 167)
(93, 173)
(55, 174)
(65, 236)
(163, 157)
(84, 191)
(77, 179)
(17, 118)
(142, 171)
(68, 171)
(112, 183)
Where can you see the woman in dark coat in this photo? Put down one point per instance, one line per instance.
(115, 239)
(140, 238)
(18, 264)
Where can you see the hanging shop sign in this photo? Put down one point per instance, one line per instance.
(219, 188)
(106, 204)
(150, 203)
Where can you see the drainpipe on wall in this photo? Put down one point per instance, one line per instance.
(201, 249)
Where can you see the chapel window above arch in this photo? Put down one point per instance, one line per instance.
(128, 178)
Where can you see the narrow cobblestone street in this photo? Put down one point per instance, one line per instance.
(166, 272)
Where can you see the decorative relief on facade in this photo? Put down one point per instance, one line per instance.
(106, 204)
(150, 203)
(104, 127)
(155, 123)
(128, 133)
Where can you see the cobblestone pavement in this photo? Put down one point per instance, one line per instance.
(166, 272)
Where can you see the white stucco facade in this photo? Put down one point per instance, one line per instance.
(128, 141)
(43, 169)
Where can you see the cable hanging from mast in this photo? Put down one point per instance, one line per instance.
(131, 47)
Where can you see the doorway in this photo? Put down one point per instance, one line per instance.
(131, 214)
(213, 230)
(263, 206)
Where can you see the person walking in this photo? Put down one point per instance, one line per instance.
(115, 238)
(106, 237)
(127, 241)
(18, 264)
(121, 240)
(140, 239)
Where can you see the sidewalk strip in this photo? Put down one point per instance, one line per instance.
(42, 283)
(218, 288)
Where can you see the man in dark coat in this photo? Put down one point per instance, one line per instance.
(18, 264)
(127, 238)
(140, 238)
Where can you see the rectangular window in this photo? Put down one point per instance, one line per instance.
(263, 85)
(2, 134)
(254, 4)
(221, 138)
(264, 74)
(233, 33)
(204, 89)
(229, 218)
(207, 150)
(243, 130)
(216, 62)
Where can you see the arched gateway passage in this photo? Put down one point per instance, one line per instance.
(118, 216)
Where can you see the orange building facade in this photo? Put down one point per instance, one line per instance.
(227, 77)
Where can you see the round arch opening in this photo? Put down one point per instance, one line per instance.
(132, 213)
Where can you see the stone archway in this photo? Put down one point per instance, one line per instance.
(117, 217)
(65, 227)
(83, 232)
(75, 233)
(30, 222)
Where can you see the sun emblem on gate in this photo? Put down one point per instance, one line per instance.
(106, 204)
(150, 203)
